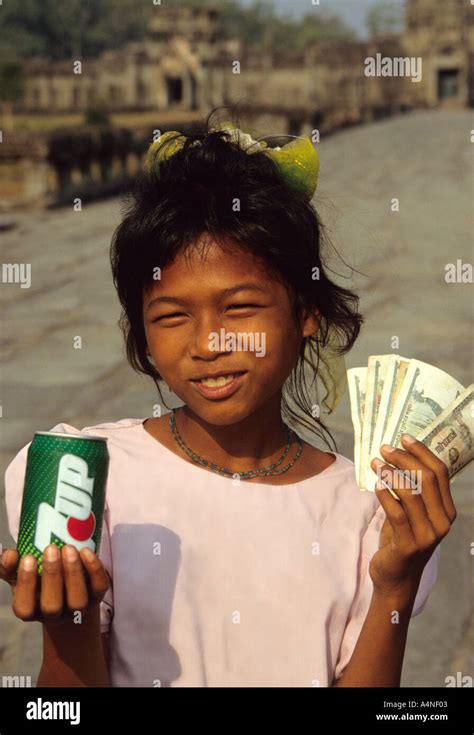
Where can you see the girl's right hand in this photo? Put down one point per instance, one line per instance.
(71, 582)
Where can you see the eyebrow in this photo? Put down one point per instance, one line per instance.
(224, 292)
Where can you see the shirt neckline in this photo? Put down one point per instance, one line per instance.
(333, 467)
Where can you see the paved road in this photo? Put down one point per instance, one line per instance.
(423, 159)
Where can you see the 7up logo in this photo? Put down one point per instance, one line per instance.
(71, 519)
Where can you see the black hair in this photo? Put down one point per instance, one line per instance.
(192, 193)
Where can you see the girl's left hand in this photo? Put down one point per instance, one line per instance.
(416, 523)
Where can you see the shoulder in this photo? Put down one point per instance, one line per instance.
(123, 440)
(108, 428)
(116, 432)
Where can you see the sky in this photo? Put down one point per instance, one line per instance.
(352, 11)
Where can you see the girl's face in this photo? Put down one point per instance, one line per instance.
(193, 317)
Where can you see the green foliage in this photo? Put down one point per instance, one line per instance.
(298, 35)
(65, 29)
(247, 23)
(260, 25)
(71, 28)
(385, 17)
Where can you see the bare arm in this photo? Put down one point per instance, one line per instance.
(415, 525)
(73, 652)
(74, 655)
(378, 655)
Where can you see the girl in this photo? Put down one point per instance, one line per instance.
(233, 553)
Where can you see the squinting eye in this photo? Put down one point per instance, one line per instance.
(167, 316)
(243, 306)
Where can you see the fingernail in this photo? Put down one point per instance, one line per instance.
(408, 438)
(4, 557)
(51, 553)
(378, 463)
(387, 448)
(88, 553)
(28, 562)
(71, 552)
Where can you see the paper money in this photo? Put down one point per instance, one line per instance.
(451, 435)
(376, 373)
(397, 369)
(395, 395)
(356, 378)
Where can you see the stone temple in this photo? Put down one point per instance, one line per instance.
(184, 63)
(184, 67)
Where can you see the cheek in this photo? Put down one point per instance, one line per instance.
(164, 348)
(281, 353)
(283, 339)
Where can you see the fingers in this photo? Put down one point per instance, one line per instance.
(427, 487)
(395, 513)
(411, 502)
(8, 565)
(416, 485)
(64, 583)
(77, 596)
(98, 579)
(25, 591)
(51, 599)
(428, 458)
(70, 581)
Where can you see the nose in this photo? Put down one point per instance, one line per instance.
(206, 342)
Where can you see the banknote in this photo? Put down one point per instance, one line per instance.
(425, 392)
(385, 375)
(451, 435)
(356, 379)
(395, 395)
(396, 371)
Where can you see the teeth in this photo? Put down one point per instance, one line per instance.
(217, 382)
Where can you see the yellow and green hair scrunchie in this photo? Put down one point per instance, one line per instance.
(297, 161)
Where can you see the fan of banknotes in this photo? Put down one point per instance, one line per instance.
(395, 395)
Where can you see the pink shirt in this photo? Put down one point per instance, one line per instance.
(220, 584)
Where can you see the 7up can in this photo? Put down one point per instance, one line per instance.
(64, 493)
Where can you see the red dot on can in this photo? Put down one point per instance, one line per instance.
(81, 530)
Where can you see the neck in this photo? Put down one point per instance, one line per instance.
(256, 441)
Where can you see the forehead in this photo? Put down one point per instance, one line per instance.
(211, 267)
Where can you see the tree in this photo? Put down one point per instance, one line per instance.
(385, 17)
(298, 35)
(69, 29)
(259, 22)
(74, 29)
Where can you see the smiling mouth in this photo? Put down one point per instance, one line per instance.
(220, 381)
(220, 387)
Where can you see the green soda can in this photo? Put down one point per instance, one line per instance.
(64, 493)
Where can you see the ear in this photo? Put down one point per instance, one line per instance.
(311, 322)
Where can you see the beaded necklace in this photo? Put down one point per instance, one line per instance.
(258, 472)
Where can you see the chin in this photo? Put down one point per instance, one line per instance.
(220, 414)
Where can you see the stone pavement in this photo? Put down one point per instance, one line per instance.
(424, 159)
